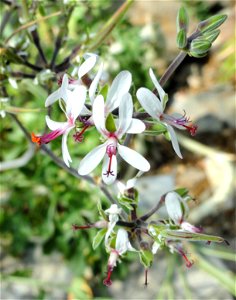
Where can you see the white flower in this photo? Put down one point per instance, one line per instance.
(68, 85)
(73, 109)
(109, 149)
(113, 215)
(177, 210)
(155, 107)
(122, 246)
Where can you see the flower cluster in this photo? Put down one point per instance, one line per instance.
(85, 105)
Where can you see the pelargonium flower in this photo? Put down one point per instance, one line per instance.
(109, 149)
(72, 110)
(155, 107)
(113, 215)
(67, 85)
(122, 246)
(120, 86)
(177, 211)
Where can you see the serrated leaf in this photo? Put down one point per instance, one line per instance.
(211, 23)
(182, 20)
(146, 258)
(99, 237)
(181, 39)
(110, 123)
(190, 236)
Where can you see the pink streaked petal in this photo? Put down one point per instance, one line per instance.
(133, 158)
(189, 227)
(136, 126)
(173, 207)
(65, 153)
(150, 102)
(99, 115)
(92, 160)
(120, 86)
(125, 114)
(53, 125)
(174, 140)
(87, 65)
(109, 169)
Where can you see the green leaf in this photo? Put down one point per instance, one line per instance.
(211, 23)
(181, 39)
(101, 211)
(211, 36)
(99, 237)
(110, 123)
(146, 258)
(190, 236)
(182, 20)
(183, 192)
(104, 91)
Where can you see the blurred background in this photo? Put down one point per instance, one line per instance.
(41, 256)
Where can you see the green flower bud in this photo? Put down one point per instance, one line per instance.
(200, 46)
(211, 36)
(182, 20)
(211, 23)
(181, 39)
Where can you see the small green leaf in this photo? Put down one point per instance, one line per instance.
(99, 237)
(211, 23)
(104, 91)
(110, 123)
(182, 20)
(190, 236)
(183, 192)
(146, 258)
(181, 39)
(101, 211)
(211, 36)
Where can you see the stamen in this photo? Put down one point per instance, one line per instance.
(192, 129)
(35, 139)
(146, 281)
(76, 227)
(107, 281)
(78, 136)
(188, 262)
(111, 150)
(46, 138)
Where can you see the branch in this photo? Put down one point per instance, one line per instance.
(154, 209)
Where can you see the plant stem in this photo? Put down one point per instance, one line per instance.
(172, 67)
(154, 209)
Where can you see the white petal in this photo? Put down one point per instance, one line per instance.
(64, 87)
(133, 158)
(99, 115)
(53, 97)
(85, 111)
(120, 86)
(87, 65)
(173, 207)
(149, 102)
(110, 178)
(65, 153)
(125, 114)
(155, 247)
(94, 84)
(92, 160)
(136, 126)
(160, 90)
(122, 242)
(75, 101)
(53, 125)
(174, 140)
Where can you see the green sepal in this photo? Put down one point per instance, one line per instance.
(200, 45)
(182, 20)
(129, 202)
(181, 39)
(211, 36)
(62, 105)
(167, 135)
(155, 128)
(211, 23)
(101, 211)
(165, 100)
(183, 192)
(190, 236)
(98, 238)
(104, 91)
(110, 123)
(146, 258)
